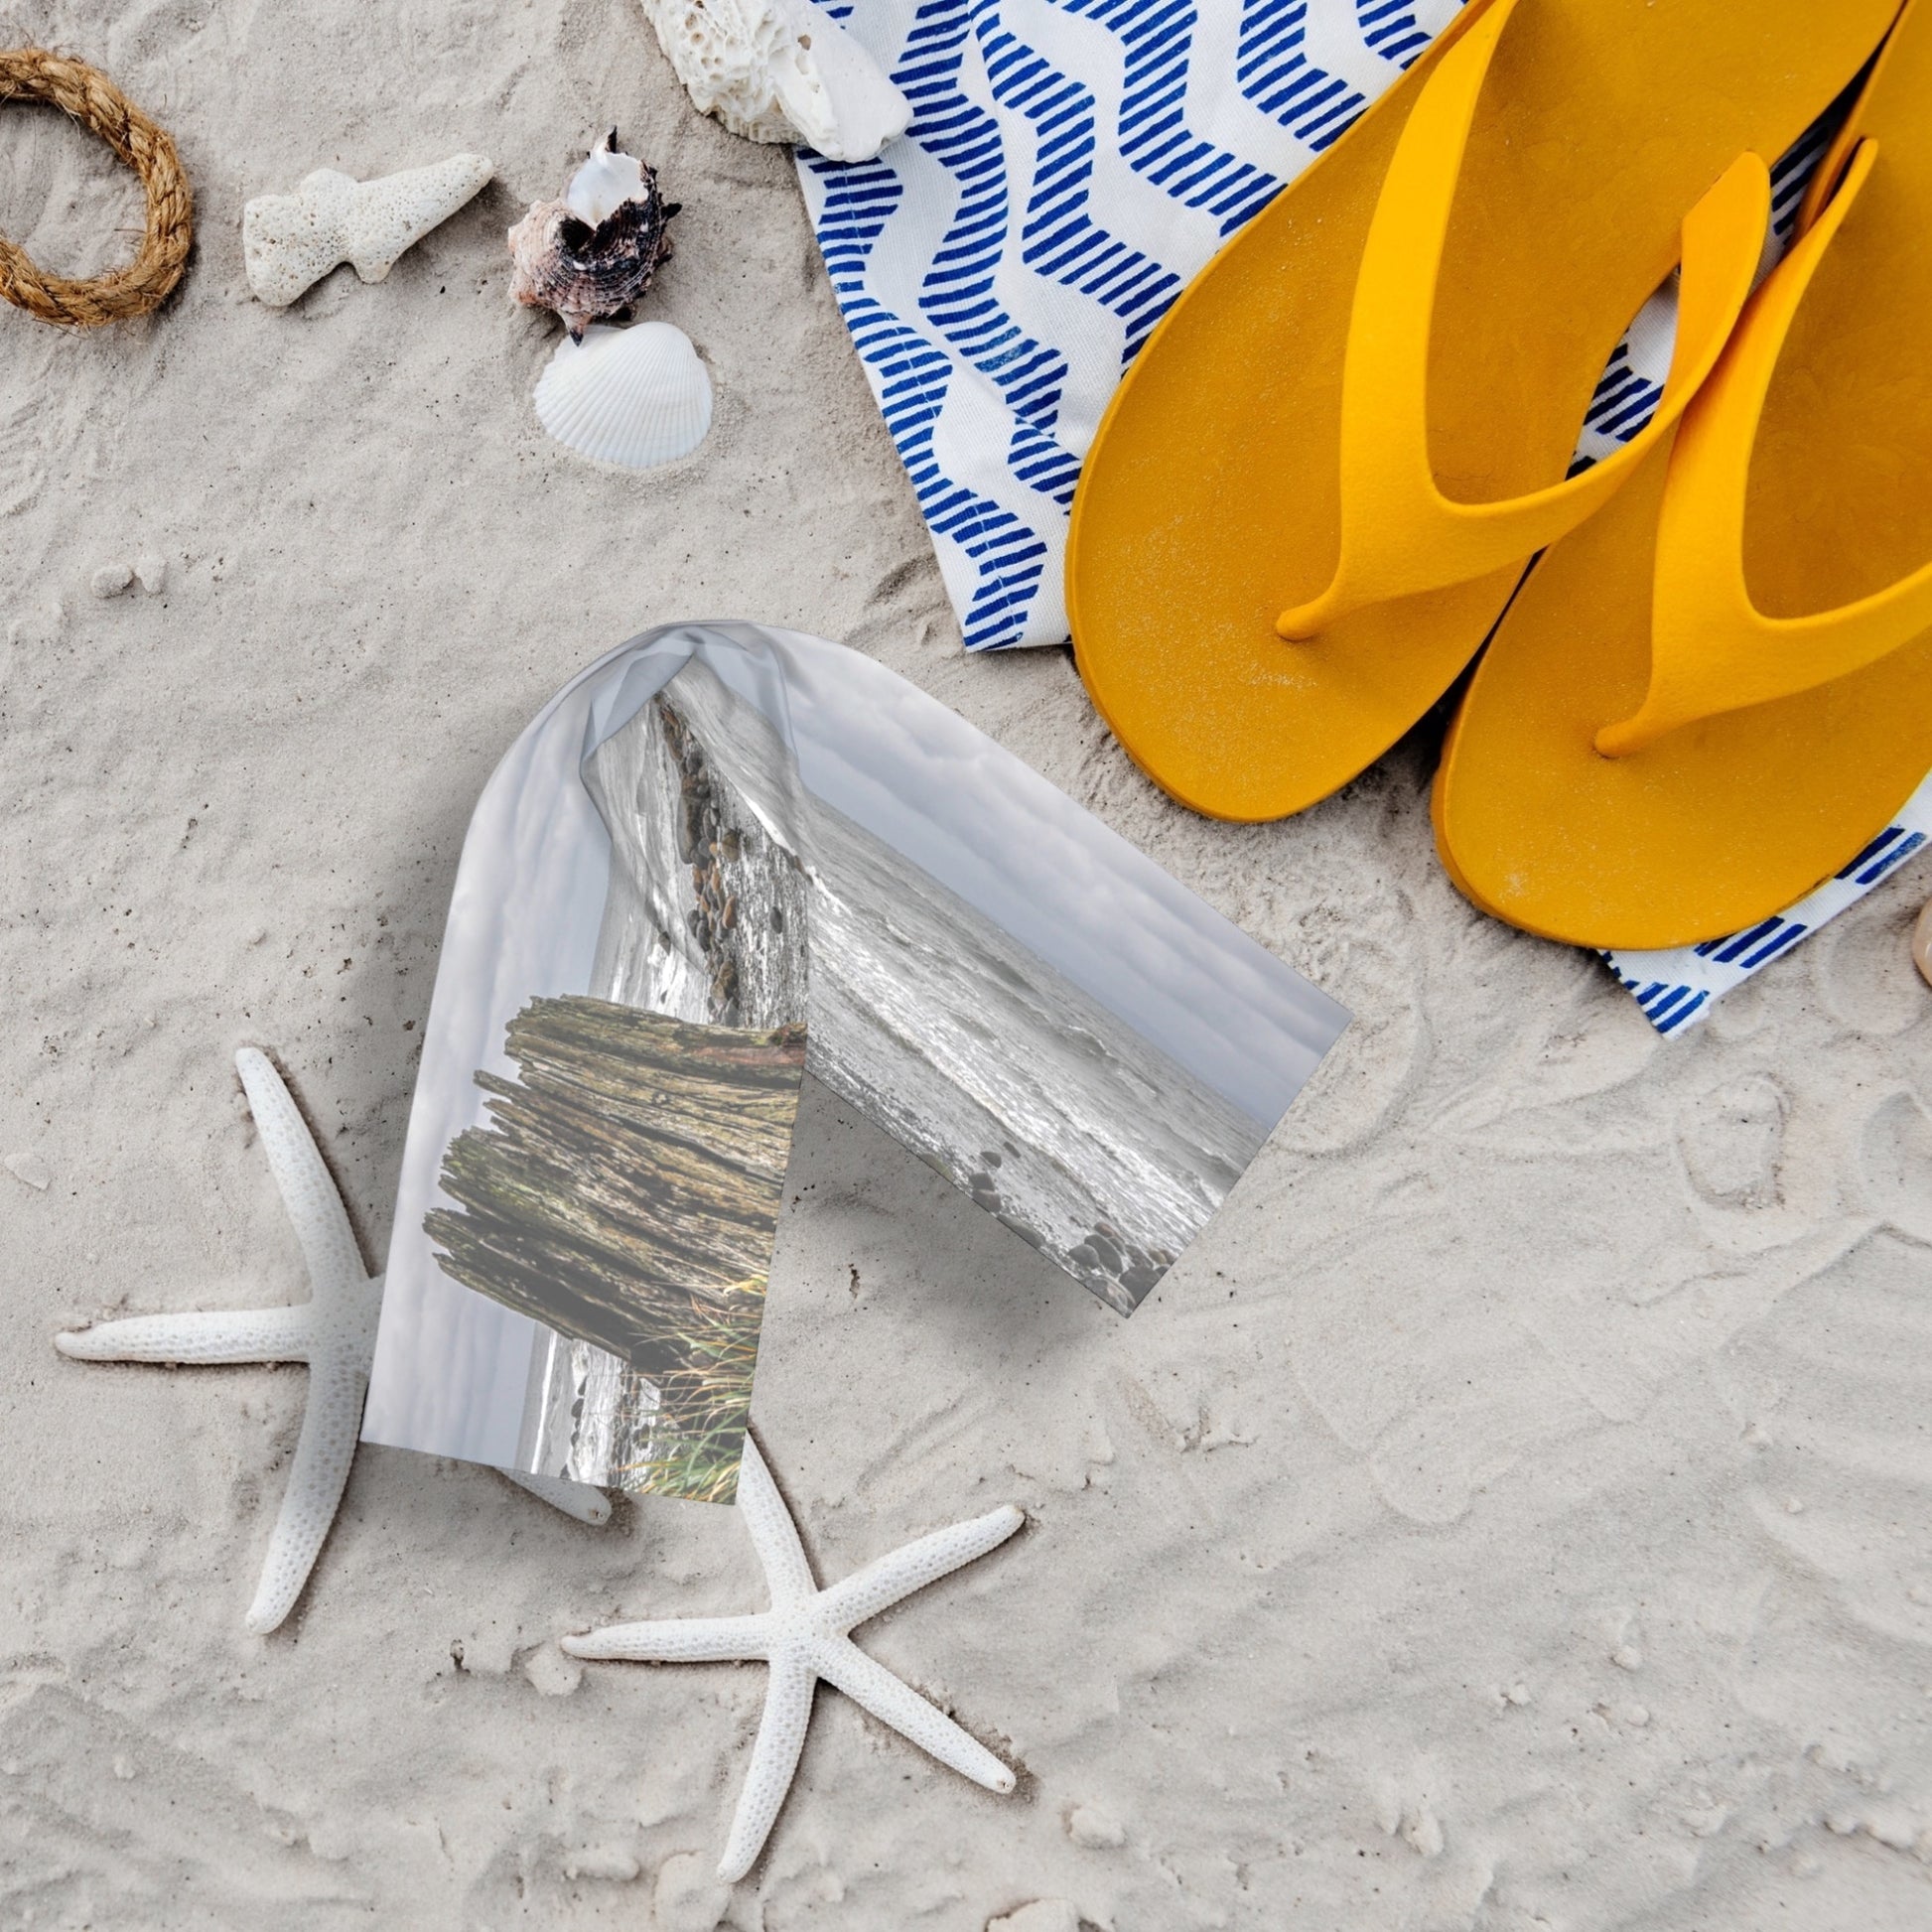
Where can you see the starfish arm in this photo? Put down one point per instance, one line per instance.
(676, 1640)
(873, 1685)
(212, 1335)
(774, 1535)
(331, 1423)
(887, 1578)
(308, 1191)
(576, 1499)
(774, 1757)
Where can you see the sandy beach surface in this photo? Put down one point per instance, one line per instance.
(1515, 1511)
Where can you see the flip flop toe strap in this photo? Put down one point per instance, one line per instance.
(1400, 535)
(1712, 649)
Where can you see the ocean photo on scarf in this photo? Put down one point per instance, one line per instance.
(722, 853)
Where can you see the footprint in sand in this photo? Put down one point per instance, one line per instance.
(1840, 1375)
(1731, 1140)
(1863, 968)
(1896, 1164)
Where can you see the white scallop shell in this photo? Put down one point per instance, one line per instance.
(637, 396)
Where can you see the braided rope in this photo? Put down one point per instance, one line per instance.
(85, 94)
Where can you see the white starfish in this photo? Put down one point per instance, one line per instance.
(333, 1333)
(803, 1637)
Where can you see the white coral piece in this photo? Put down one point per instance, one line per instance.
(781, 70)
(289, 242)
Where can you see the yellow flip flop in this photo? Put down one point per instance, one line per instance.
(1317, 486)
(1715, 693)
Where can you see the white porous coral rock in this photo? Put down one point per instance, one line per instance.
(781, 70)
(289, 242)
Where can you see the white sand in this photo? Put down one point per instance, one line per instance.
(1513, 1512)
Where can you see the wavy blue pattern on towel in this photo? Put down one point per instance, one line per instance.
(1153, 133)
(1390, 28)
(1059, 238)
(1276, 74)
(957, 296)
(909, 378)
(999, 265)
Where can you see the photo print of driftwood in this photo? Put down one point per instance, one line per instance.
(625, 1193)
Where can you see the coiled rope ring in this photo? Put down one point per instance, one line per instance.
(89, 97)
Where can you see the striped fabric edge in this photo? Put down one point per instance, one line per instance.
(1677, 988)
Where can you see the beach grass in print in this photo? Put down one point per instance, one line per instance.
(625, 1192)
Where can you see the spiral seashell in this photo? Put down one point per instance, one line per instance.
(591, 254)
(637, 396)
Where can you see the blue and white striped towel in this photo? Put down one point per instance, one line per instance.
(1071, 165)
